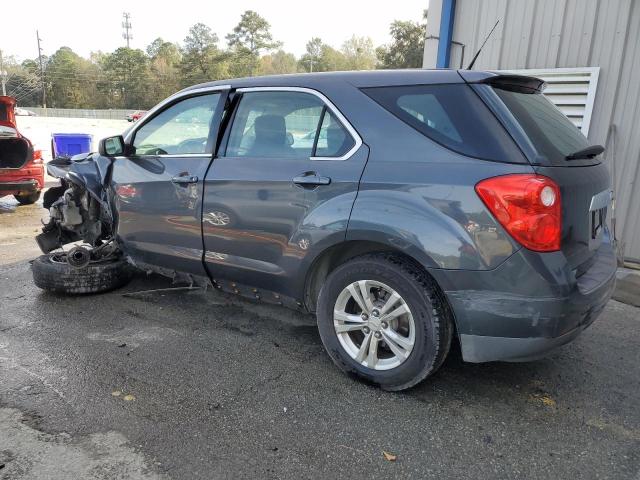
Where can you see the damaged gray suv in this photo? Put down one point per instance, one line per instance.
(407, 209)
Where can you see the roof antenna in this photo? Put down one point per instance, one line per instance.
(475, 57)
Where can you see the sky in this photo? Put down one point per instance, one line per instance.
(92, 25)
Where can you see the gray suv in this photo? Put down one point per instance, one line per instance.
(407, 209)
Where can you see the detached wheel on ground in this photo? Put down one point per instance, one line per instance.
(384, 320)
(53, 273)
(27, 199)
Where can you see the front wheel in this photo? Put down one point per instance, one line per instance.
(54, 273)
(384, 320)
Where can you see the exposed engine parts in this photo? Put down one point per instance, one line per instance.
(74, 215)
(79, 257)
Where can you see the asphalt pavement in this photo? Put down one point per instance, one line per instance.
(183, 385)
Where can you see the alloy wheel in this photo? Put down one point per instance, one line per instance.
(374, 325)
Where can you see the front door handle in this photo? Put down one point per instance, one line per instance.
(311, 179)
(184, 179)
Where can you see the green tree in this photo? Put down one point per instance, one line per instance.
(331, 60)
(126, 78)
(253, 34)
(278, 63)
(202, 60)
(321, 57)
(241, 62)
(407, 45)
(71, 80)
(359, 53)
(164, 68)
(249, 38)
(310, 60)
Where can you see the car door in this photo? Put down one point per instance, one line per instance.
(281, 187)
(158, 185)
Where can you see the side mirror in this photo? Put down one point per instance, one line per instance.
(111, 146)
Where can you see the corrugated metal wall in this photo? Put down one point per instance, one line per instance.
(569, 33)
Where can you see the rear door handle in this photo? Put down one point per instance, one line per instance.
(311, 179)
(183, 179)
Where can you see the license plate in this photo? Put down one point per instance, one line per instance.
(598, 217)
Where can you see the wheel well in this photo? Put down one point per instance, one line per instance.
(337, 255)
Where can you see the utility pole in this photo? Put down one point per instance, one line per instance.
(3, 75)
(126, 34)
(126, 25)
(44, 88)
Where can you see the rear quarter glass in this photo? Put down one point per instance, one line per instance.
(551, 133)
(452, 115)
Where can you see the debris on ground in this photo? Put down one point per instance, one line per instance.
(390, 457)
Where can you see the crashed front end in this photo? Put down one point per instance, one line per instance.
(80, 208)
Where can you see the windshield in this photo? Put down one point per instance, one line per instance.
(552, 134)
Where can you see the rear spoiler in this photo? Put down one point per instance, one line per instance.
(516, 83)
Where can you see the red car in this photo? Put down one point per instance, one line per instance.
(135, 116)
(21, 167)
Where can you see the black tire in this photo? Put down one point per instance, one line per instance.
(433, 323)
(27, 199)
(61, 277)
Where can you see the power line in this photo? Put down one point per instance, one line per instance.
(25, 94)
(17, 90)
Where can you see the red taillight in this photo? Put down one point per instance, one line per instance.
(37, 156)
(527, 206)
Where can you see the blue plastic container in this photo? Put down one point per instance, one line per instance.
(68, 144)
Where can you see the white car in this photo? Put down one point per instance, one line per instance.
(24, 112)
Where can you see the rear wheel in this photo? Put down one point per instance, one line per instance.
(28, 198)
(54, 273)
(384, 320)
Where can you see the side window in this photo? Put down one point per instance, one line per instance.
(182, 128)
(285, 124)
(451, 115)
(333, 140)
(427, 110)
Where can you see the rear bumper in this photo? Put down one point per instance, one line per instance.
(528, 306)
(23, 187)
(26, 180)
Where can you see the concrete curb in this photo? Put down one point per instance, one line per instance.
(628, 287)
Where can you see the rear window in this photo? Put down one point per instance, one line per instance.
(550, 131)
(451, 115)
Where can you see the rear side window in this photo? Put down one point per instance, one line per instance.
(333, 140)
(451, 115)
(551, 132)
